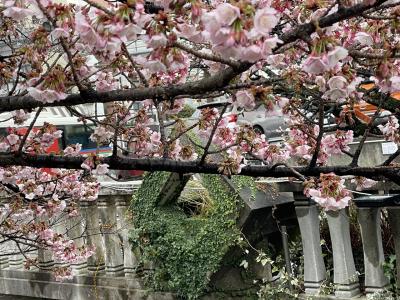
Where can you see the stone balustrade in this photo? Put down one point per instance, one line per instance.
(110, 272)
(346, 280)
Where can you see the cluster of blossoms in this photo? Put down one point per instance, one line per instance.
(242, 31)
(301, 141)
(363, 183)
(44, 198)
(37, 141)
(329, 192)
(391, 130)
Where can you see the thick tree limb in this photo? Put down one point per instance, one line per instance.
(169, 165)
(213, 83)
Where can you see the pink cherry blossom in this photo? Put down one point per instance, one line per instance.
(391, 129)
(337, 82)
(17, 13)
(251, 53)
(226, 13)
(364, 39)
(59, 32)
(245, 99)
(47, 95)
(314, 65)
(101, 135)
(330, 192)
(337, 54)
(363, 183)
(395, 84)
(157, 41)
(265, 20)
(101, 169)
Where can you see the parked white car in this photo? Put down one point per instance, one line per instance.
(271, 126)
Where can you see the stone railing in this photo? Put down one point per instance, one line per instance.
(108, 274)
(346, 281)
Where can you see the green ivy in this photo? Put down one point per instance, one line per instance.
(186, 251)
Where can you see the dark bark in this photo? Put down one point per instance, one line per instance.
(158, 164)
(216, 82)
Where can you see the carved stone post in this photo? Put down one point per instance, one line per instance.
(394, 219)
(130, 258)
(45, 257)
(15, 261)
(90, 213)
(4, 259)
(76, 232)
(345, 275)
(113, 246)
(369, 219)
(314, 267)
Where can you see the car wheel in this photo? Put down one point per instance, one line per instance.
(258, 130)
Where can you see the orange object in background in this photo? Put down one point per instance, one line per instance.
(364, 111)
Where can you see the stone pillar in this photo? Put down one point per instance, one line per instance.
(90, 214)
(45, 257)
(130, 257)
(345, 276)
(15, 261)
(59, 225)
(370, 224)
(394, 219)
(112, 243)
(76, 232)
(4, 259)
(314, 267)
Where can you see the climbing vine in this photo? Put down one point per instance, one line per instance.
(186, 251)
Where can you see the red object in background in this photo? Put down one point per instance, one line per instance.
(54, 148)
(232, 118)
(136, 173)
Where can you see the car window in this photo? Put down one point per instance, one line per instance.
(79, 134)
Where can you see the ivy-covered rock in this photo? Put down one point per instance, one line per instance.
(186, 250)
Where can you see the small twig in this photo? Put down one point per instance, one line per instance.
(21, 145)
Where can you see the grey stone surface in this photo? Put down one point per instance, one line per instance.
(114, 260)
(12, 297)
(394, 219)
(314, 267)
(76, 232)
(90, 213)
(369, 220)
(130, 256)
(345, 275)
(43, 286)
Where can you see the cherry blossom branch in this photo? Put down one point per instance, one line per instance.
(170, 165)
(206, 56)
(357, 153)
(100, 7)
(307, 29)
(21, 145)
(63, 42)
(391, 158)
(314, 158)
(214, 129)
(213, 83)
(134, 65)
